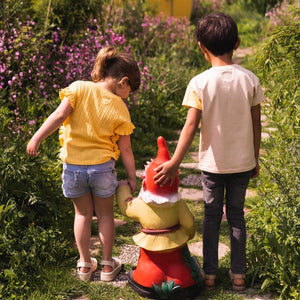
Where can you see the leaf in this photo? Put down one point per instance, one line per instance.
(267, 282)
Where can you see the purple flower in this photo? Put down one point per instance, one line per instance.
(31, 122)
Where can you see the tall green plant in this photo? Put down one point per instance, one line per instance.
(274, 224)
(35, 219)
(70, 16)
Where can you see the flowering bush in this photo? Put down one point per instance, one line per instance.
(280, 14)
(165, 34)
(166, 45)
(34, 68)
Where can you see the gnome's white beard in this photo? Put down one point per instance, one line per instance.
(150, 198)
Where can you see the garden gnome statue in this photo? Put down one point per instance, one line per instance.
(165, 268)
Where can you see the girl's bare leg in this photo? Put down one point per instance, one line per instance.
(106, 229)
(82, 227)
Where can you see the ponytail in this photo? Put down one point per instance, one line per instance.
(109, 63)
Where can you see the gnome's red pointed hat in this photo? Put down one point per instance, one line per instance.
(156, 193)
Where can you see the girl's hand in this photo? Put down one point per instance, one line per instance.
(51, 124)
(33, 147)
(132, 184)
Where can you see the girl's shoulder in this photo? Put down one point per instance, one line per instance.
(82, 84)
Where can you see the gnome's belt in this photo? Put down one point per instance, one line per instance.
(161, 231)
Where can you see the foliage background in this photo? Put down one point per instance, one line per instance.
(274, 223)
(45, 45)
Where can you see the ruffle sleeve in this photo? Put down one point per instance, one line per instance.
(69, 93)
(125, 129)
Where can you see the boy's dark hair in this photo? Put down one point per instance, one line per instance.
(217, 32)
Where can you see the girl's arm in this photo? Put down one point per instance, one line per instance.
(128, 160)
(167, 171)
(51, 124)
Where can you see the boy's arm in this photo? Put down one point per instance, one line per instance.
(256, 125)
(167, 171)
(128, 160)
(51, 124)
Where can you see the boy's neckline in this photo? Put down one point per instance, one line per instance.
(223, 66)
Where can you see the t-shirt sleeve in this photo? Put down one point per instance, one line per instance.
(191, 98)
(69, 92)
(258, 94)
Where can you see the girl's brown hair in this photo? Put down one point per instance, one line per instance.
(110, 63)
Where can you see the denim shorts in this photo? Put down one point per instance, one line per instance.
(100, 180)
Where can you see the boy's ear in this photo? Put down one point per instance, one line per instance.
(203, 49)
(237, 44)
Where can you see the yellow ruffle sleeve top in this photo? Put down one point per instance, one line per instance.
(89, 135)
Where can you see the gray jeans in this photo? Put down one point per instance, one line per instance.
(234, 187)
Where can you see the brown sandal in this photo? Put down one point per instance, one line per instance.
(209, 280)
(241, 286)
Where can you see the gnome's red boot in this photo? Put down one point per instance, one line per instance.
(166, 275)
(156, 267)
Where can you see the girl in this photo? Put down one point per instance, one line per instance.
(94, 118)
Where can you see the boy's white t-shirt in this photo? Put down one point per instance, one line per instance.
(225, 96)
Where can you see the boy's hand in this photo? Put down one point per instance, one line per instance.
(255, 171)
(165, 172)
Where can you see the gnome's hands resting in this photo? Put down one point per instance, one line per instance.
(127, 195)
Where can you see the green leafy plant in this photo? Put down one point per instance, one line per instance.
(274, 224)
(166, 289)
(32, 214)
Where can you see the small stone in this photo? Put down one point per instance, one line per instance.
(196, 249)
(191, 194)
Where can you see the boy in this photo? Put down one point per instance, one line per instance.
(227, 99)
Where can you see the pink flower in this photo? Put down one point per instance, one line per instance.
(31, 122)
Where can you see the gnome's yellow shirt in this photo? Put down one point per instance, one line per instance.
(89, 135)
(154, 216)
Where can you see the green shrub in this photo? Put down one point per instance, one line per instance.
(36, 221)
(250, 22)
(261, 6)
(274, 224)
